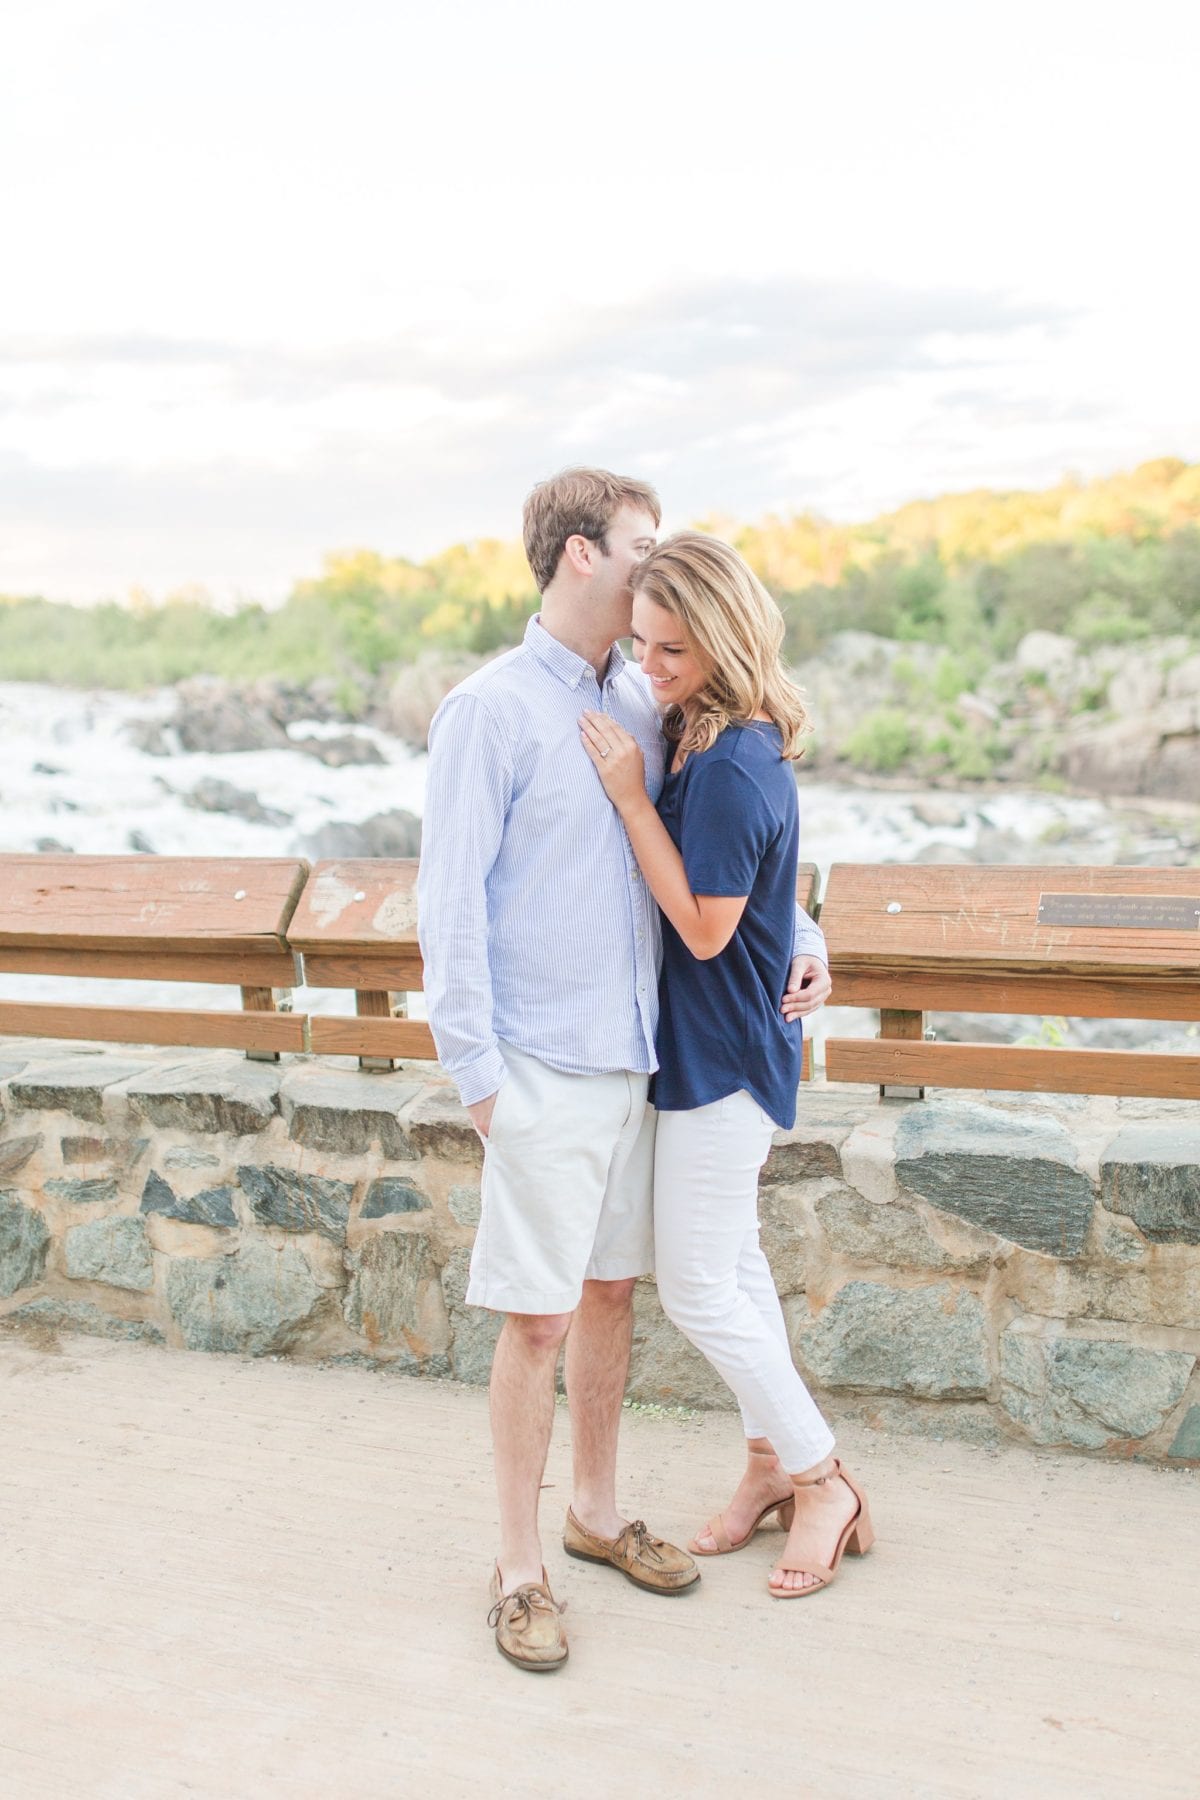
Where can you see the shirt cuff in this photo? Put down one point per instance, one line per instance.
(809, 940)
(481, 1078)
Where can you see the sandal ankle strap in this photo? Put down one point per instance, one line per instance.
(819, 1480)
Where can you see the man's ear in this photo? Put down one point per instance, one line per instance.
(580, 554)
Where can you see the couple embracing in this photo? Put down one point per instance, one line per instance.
(607, 900)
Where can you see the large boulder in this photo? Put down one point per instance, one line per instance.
(213, 716)
(211, 795)
(341, 752)
(418, 691)
(386, 834)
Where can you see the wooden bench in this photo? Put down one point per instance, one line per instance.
(219, 920)
(1110, 943)
(247, 922)
(356, 927)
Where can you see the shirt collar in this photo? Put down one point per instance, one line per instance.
(569, 667)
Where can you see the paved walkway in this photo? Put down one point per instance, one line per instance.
(258, 1579)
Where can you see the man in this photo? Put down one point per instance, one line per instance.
(541, 949)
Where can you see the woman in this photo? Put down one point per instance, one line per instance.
(720, 854)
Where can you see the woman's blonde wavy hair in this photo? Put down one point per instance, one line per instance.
(734, 629)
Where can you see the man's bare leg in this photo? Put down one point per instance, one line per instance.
(597, 1368)
(522, 1409)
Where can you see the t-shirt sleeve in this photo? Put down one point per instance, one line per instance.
(726, 829)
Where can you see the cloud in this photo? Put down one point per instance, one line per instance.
(137, 458)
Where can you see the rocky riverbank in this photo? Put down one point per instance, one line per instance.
(1062, 715)
(1108, 720)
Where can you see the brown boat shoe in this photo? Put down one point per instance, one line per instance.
(641, 1557)
(528, 1625)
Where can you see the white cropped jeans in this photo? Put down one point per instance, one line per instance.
(714, 1281)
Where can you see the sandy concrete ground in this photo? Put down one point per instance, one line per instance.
(242, 1579)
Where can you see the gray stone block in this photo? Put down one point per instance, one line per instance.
(387, 1274)
(784, 1237)
(930, 1342)
(213, 1206)
(210, 1093)
(24, 1242)
(1121, 1244)
(297, 1202)
(86, 1149)
(346, 1111)
(80, 1315)
(665, 1369)
(439, 1125)
(75, 1085)
(1013, 1173)
(184, 1157)
(1186, 1443)
(812, 1148)
(252, 1302)
(16, 1152)
(474, 1329)
(1151, 1174)
(390, 1195)
(1088, 1392)
(465, 1204)
(113, 1250)
(84, 1190)
(893, 1234)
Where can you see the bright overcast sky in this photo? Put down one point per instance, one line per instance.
(281, 278)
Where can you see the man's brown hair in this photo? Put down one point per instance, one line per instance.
(578, 502)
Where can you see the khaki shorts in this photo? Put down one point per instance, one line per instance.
(568, 1175)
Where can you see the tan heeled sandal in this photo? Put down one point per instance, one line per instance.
(718, 1531)
(858, 1535)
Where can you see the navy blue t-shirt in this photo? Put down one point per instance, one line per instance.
(731, 812)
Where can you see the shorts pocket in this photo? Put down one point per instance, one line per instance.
(503, 1097)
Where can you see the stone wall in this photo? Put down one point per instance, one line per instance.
(968, 1265)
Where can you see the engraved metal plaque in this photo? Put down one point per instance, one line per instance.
(1124, 912)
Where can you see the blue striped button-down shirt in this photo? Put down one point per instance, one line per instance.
(536, 926)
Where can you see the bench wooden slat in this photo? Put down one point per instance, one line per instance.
(170, 902)
(357, 904)
(401, 969)
(1142, 996)
(808, 888)
(1034, 1070)
(959, 917)
(372, 1037)
(153, 1025)
(276, 969)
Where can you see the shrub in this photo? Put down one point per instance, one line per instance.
(885, 740)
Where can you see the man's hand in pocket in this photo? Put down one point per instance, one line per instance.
(481, 1115)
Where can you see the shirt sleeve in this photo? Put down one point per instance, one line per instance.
(467, 793)
(807, 938)
(726, 829)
